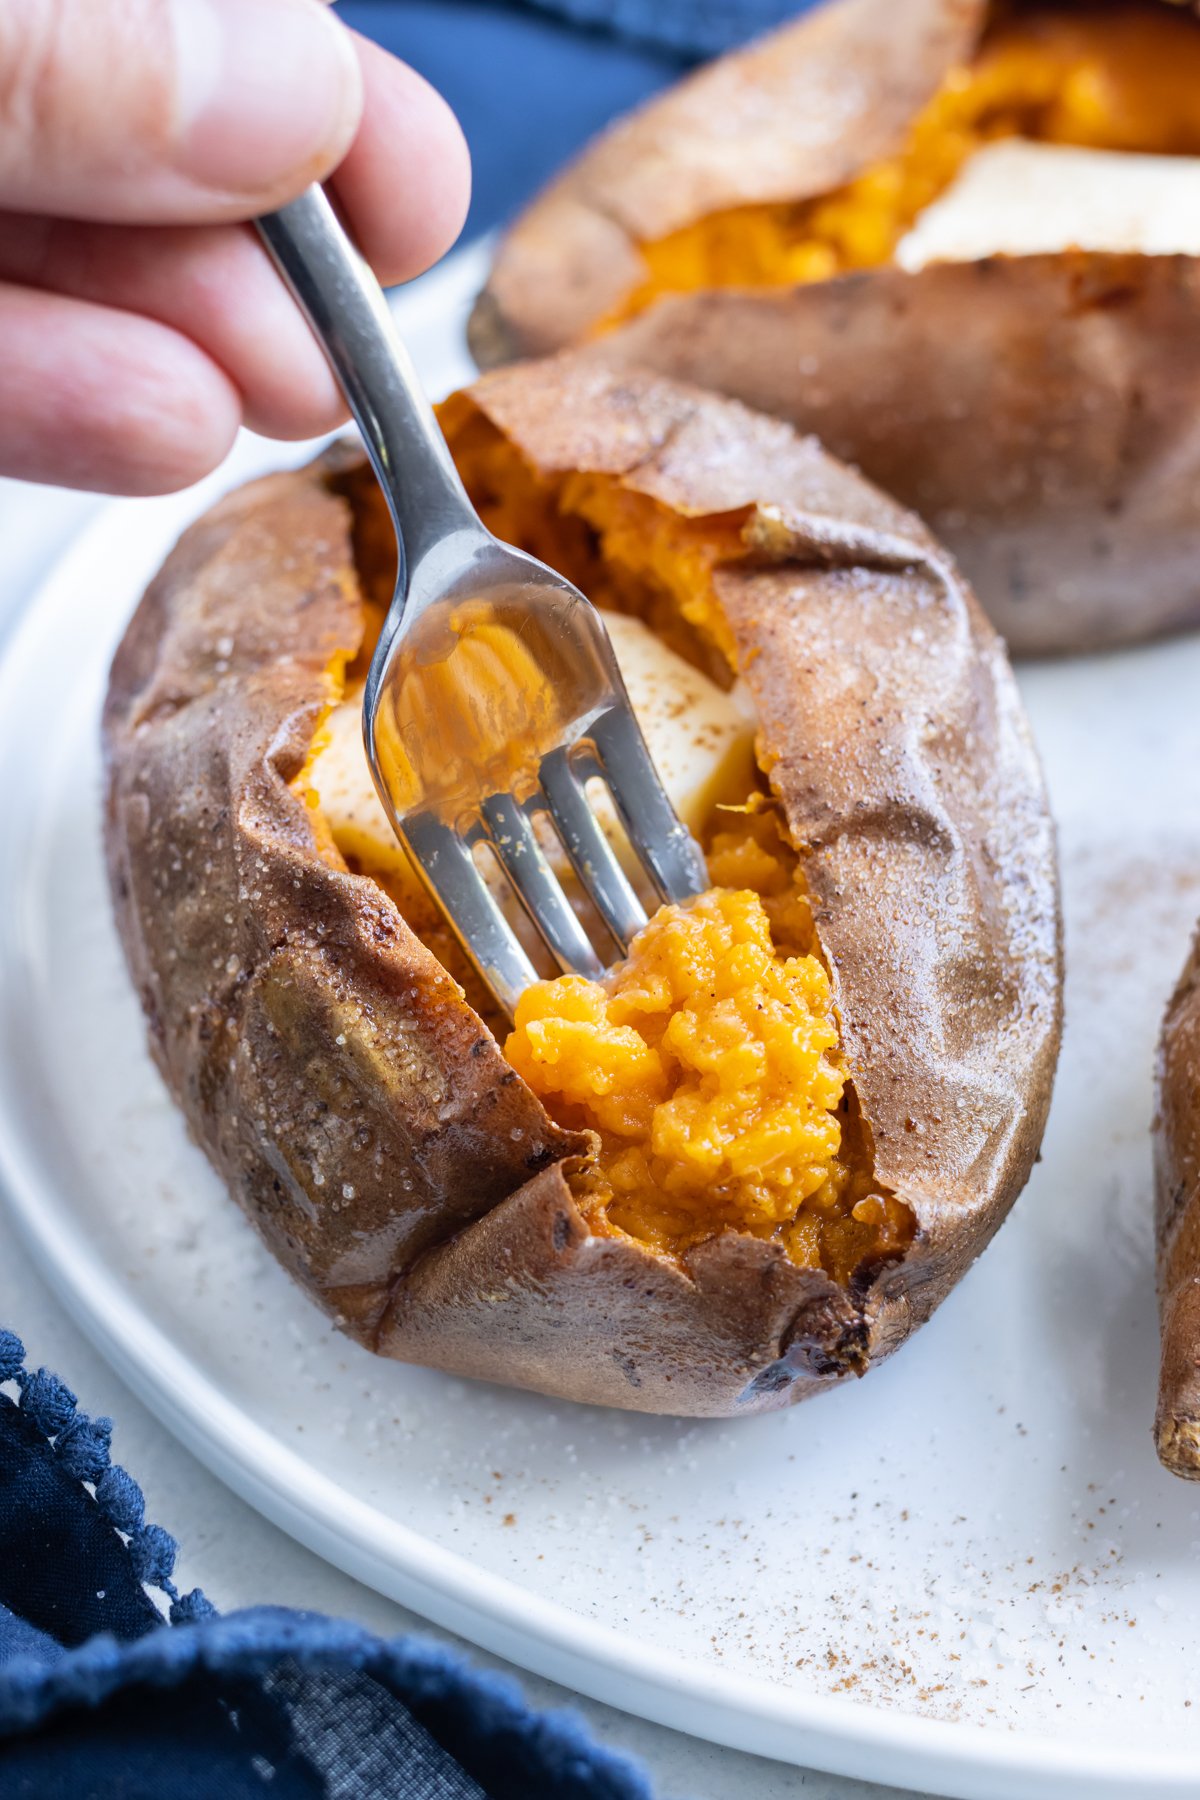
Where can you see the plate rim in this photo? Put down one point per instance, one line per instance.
(834, 1733)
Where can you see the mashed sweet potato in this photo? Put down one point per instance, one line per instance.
(703, 1059)
(708, 1063)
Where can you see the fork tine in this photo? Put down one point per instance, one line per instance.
(512, 837)
(471, 907)
(586, 843)
(666, 846)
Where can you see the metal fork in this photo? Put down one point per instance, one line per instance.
(493, 694)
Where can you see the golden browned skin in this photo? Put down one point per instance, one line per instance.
(1038, 412)
(1041, 413)
(325, 1060)
(1177, 1190)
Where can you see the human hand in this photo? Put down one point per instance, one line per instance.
(140, 321)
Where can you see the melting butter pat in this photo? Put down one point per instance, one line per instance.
(701, 739)
(1016, 198)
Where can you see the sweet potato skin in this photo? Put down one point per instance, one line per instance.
(898, 749)
(1177, 1225)
(321, 1055)
(1038, 412)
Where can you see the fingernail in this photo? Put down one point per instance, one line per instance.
(268, 92)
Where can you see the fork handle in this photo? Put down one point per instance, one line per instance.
(345, 306)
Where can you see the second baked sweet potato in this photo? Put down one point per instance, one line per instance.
(753, 230)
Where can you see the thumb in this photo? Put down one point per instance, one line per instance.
(166, 111)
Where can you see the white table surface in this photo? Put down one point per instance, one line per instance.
(227, 1549)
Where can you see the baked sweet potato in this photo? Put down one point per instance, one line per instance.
(1037, 410)
(1177, 1225)
(792, 1119)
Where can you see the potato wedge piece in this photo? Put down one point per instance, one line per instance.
(1035, 410)
(364, 1115)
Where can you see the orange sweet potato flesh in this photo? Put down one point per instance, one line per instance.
(709, 1062)
(360, 1109)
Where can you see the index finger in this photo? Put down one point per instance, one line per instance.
(405, 183)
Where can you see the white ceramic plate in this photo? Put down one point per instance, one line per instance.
(967, 1574)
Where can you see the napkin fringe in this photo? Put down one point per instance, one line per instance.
(480, 1719)
(81, 1445)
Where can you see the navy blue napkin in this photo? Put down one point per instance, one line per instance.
(532, 83)
(101, 1695)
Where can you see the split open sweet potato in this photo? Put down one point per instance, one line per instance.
(755, 1158)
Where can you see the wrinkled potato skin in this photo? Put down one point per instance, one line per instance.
(1177, 1225)
(1040, 413)
(252, 955)
(904, 763)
